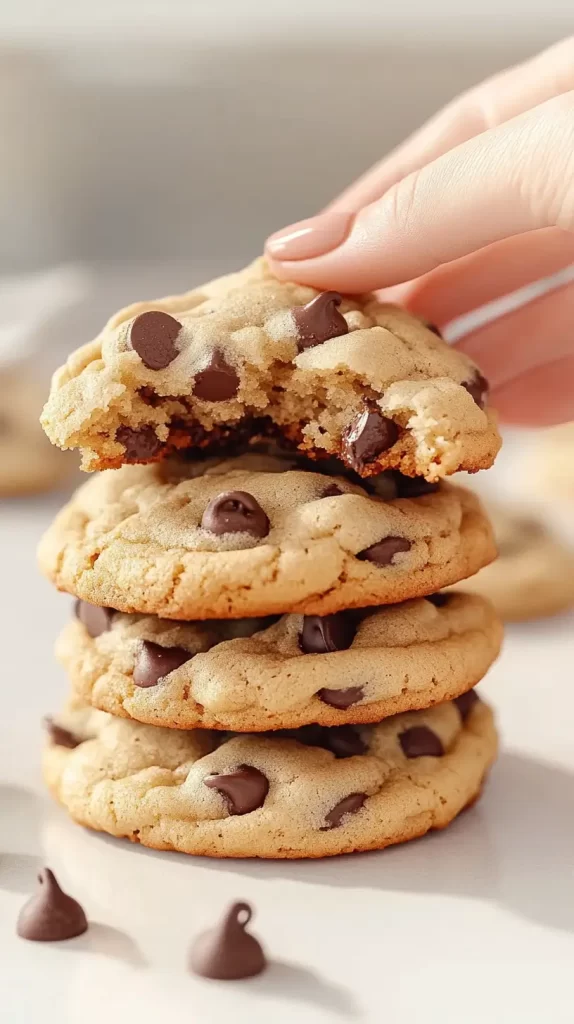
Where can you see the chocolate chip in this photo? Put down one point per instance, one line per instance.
(216, 382)
(140, 445)
(439, 600)
(344, 741)
(235, 512)
(385, 550)
(332, 491)
(322, 634)
(59, 736)
(243, 790)
(348, 805)
(477, 388)
(50, 915)
(319, 320)
(341, 699)
(95, 620)
(420, 741)
(367, 437)
(153, 662)
(466, 702)
(152, 336)
(414, 486)
(434, 329)
(228, 952)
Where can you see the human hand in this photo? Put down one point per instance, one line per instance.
(476, 204)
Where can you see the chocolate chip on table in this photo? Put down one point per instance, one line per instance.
(59, 736)
(348, 805)
(243, 790)
(319, 320)
(153, 662)
(50, 915)
(227, 952)
(322, 634)
(477, 388)
(367, 437)
(414, 486)
(466, 702)
(341, 699)
(439, 600)
(216, 382)
(140, 445)
(235, 512)
(384, 551)
(420, 741)
(152, 336)
(96, 620)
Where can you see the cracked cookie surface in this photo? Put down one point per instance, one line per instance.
(347, 376)
(249, 675)
(230, 538)
(326, 792)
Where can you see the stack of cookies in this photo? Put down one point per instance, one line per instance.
(261, 661)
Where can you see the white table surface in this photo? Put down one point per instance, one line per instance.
(474, 924)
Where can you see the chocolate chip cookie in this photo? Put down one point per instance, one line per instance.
(229, 538)
(248, 356)
(314, 793)
(533, 575)
(249, 675)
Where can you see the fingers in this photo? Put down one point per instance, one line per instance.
(509, 180)
(457, 288)
(540, 397)
(494, 101)
(528, 359)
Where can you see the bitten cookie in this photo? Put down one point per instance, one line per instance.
(250, 676)
(534, 573)
(250, 536)
(318, 793)
(28, 464)
(247, 355)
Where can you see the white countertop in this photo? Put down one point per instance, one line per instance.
(474, 924)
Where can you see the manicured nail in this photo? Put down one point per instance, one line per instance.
(310, 238)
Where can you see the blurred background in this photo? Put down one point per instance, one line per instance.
(146, 145)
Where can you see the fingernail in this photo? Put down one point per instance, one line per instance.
(310, 238)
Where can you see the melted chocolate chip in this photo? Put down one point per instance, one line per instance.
(477, 388)
(327, 633)
(50, 915)
(235, 512)
(216, 382)
(348, 805)
(341, 699)
(420, 741)
(466, 702)
(414, 486)
(243, 790)
(95, 620)
(319, 320)
(140, 445)
(228, 952)
(153, 662)
(367, 437)
(332, 491)
(152, 336)
(439, 600)
(384, 551)
(59, 736)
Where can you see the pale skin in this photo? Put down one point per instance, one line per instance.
(476, 204)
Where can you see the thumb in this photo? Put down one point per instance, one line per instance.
(514, 178)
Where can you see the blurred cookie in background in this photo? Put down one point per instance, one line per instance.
(29, 464)
(533, 576)
(551, 462)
